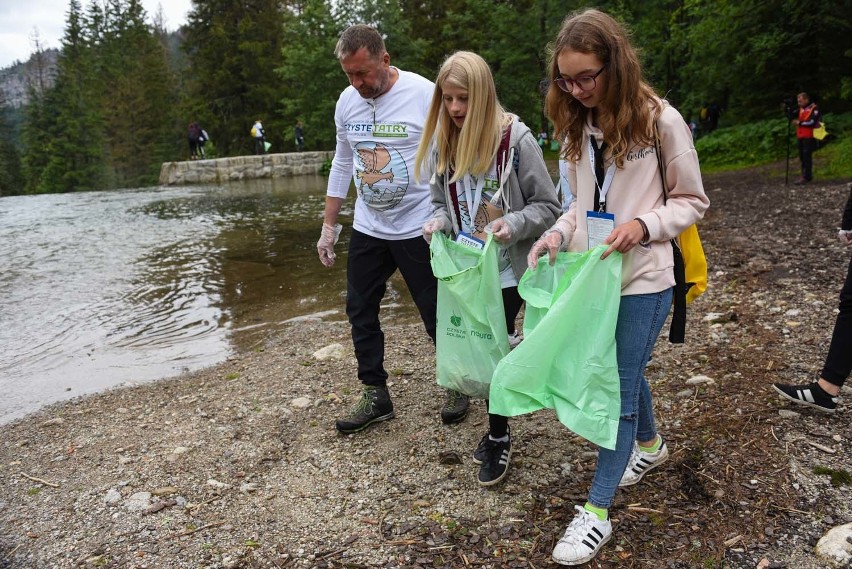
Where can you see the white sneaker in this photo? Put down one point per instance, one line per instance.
(585, 536)
(641, 462)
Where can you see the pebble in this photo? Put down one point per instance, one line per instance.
(138, 502)
(113, 496)
(700, 379)
(300, 403)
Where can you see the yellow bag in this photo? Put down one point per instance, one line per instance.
(690, 263)
(694, 263)
(820, 132)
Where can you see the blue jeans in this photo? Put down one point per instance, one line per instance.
(640, 319)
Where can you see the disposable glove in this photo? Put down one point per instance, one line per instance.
(548, 243)
(433, 225)
(845, 236)
(328, 239)
(503, 229)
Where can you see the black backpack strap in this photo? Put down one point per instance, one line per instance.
(677, 331)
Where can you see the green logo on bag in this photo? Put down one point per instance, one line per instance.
(455, 320)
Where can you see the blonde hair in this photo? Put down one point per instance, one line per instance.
(630, 106)
(472, 147)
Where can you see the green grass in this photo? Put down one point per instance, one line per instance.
(838, 477)
(769, 141)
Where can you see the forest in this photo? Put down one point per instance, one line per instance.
(124, 89)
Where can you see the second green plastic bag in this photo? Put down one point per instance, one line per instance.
(470, 335)
(567, 361)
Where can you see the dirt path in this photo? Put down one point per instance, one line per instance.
(239, 465)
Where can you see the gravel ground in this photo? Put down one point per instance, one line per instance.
(239, 465)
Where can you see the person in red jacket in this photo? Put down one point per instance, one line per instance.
(806, 122)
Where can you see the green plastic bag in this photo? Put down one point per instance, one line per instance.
(470, 336)
(539, 288)
(266, 146)
(567, 361)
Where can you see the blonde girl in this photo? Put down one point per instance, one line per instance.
(476, 188)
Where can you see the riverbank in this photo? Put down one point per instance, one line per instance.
(239, 465)
(236, 168)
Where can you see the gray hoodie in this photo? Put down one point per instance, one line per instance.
(530, 205)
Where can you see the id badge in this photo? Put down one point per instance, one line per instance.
(470, 240)
(599, 225)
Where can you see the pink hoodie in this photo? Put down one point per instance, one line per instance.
(637, 191)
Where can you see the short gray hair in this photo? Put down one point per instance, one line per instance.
(357, 36)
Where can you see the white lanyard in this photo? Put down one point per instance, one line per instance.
(468, 182)
(610, 174)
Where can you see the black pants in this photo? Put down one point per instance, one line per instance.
(498, 424)
(838, 363)
(258, 145)
(806, 152)
(371, 263)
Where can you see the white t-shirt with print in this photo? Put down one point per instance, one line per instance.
(377, 141)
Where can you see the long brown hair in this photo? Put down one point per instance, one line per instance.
(629, 105)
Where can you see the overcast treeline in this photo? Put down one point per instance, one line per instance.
(125, 90)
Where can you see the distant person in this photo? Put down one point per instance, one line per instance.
(824, 394)
(693, 128)
(713, 114)
(258, 135)
(390, 210)
(201, 141)
(300, 137)
(805, 123)
(704, 117)
(542, 138)
(194, 136)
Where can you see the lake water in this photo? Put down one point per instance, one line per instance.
(102, 289)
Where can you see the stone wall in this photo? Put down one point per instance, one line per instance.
(242, 168)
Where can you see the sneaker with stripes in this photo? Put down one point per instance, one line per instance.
(641, 462)
(585, 536)
(495, 457)
(811, 395)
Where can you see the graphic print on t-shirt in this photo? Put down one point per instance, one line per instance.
(382, 175)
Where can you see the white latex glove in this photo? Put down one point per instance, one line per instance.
(433, 225)
(548, 243)
(845, 236)
(328, 239)
(502, 230)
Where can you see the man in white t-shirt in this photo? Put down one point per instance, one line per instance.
(379, 120)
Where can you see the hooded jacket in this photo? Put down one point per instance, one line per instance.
(527, 195)
(637, 192)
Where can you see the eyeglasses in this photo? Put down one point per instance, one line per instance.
(586, 82)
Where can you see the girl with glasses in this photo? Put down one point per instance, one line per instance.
(608, 119)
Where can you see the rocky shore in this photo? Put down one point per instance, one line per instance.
(239, 466)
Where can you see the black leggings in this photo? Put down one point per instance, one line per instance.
(838, 362)
(498, 425)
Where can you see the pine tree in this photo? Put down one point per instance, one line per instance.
(137, 106)
(74, 143)
(11, 177)
(233, 50)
